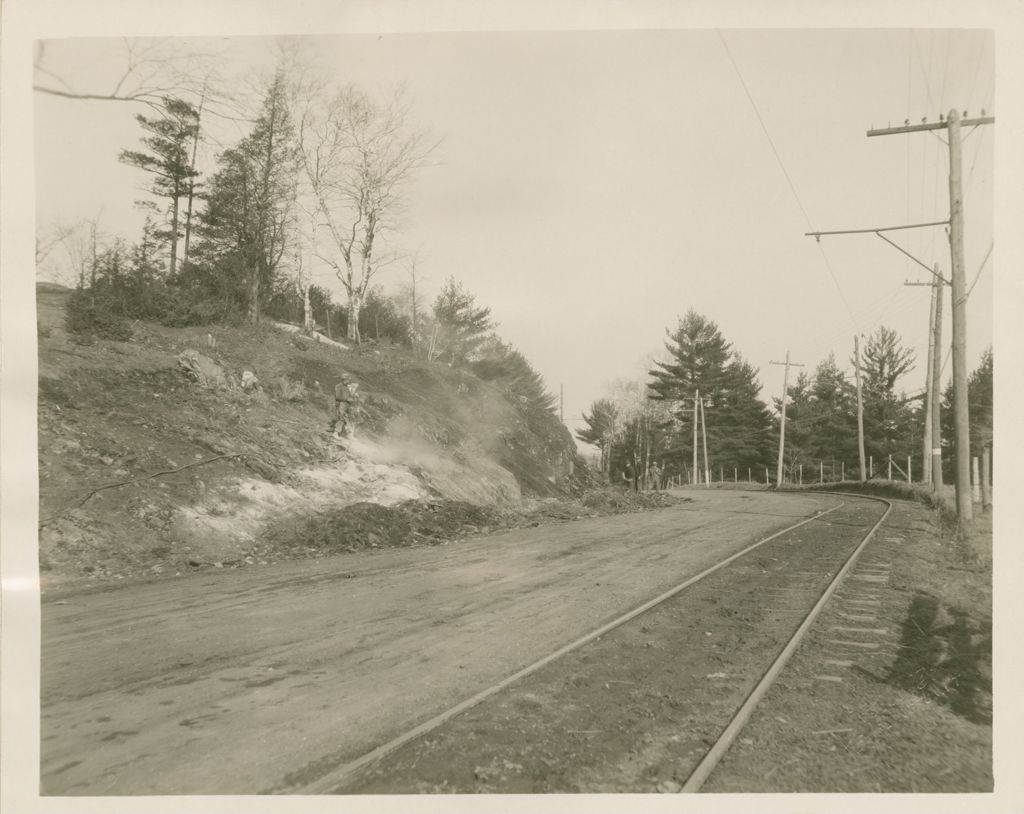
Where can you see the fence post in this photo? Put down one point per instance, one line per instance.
(871, 466)
(800, 474)
(909, 464)
(766, 476)
(748, 474)
(821, 471)
(842, 469)
(975, 481)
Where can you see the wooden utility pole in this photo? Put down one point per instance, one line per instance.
(936, 396)
(926, 444)
(860, 409)
(952, 126)
(704, 433)
(961, 420)
(782, 426)
(696, 418)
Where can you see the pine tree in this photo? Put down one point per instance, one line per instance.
(248, 219)
(169, 140)
(601, 430)
(822, 417)
(980, 409)
(738, 424)
(699, 357)
(888, 426)
(460, 325)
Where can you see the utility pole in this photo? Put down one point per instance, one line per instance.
(933, 417)
(704, 433)
(964, 507)
(782, 426)
(926, 445)
(696, 418)
(936, 401)
(860, 409)
(953, 125)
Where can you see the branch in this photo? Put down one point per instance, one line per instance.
(92, 492)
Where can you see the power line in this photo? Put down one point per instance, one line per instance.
(782, 166)
(978, 274)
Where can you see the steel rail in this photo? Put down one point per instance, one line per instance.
(338, 775)
(739, 720)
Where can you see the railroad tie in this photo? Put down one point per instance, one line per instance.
(848, 643)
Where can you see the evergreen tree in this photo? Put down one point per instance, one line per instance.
(738, 424)
(699, 357)
(821, 419)
(460, 325)
(980, 410)
(888, 426)
(744, 428)
(169, 140)
(601, 430)
(248, 220)
(980, 403)
(502, 364)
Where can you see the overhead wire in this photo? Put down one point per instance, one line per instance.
(978, 274)
(785, 172)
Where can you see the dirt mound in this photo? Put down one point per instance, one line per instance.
(361, 526)
(614, 501)
(370, 525)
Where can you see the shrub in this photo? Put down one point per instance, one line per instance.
(287, 389)
(89, 316)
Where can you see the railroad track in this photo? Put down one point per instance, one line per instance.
(651, 697)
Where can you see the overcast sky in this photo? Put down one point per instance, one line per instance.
(591, 187)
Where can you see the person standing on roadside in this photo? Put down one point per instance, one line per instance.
(656, 477)
(630, 478)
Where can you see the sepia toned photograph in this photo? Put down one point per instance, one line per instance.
(527, 411)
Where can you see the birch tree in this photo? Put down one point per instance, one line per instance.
(357, 156)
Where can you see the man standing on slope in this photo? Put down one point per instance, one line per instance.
(346, 396)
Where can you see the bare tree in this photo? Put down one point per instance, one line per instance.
(82, 243)
(144, 71)
(49, 239)
(410, 299)
(357, 155)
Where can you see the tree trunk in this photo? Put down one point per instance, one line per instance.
(254, 296)
(355, 305)
(174, 232)
(307, 309)
(192, 180)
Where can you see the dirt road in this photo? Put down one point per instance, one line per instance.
(261, 680)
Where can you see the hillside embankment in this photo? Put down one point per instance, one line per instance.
(145, 471)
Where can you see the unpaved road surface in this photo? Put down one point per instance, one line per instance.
(263, 680)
